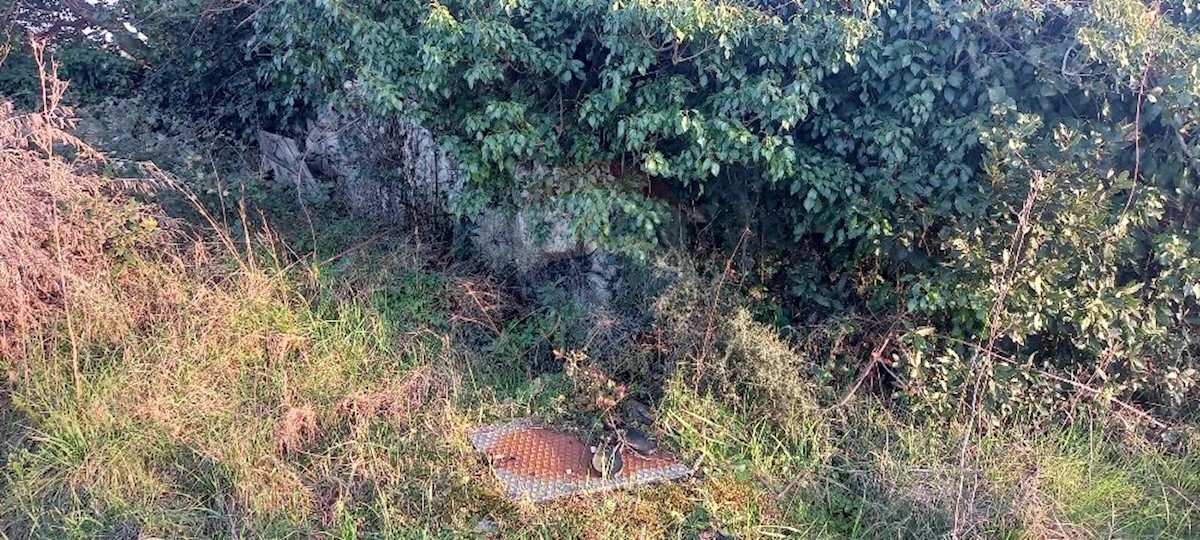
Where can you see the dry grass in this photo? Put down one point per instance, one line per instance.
(396, 401)
(297, 430)
(260, 403)
(48, 242)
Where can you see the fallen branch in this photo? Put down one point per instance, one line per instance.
(1112, 400)
(876, 359)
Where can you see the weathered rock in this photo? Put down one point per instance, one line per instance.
(391, 169)
(539, 246)
(394, 170)
(283, 157)
(526, 239)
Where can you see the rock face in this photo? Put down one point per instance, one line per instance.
(390, 170)
(513, 243)
(393, 170)
(284, 159)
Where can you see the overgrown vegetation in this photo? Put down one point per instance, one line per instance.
(938, 276)
(1012, 178)
(231, 389)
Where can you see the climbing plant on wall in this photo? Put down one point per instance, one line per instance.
(1012, 178)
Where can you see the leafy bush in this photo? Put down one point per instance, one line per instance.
(201, 66)
(186, 56)
(1016, 179)
(18, 79)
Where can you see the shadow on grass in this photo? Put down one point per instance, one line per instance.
(14, 431)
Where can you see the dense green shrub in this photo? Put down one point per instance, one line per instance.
(17, 74)
(1009, 177)
(90, 42)
(200, 64)
(189, 57)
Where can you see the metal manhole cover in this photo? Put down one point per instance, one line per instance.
(539, 464)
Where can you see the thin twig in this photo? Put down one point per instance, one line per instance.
(1096, 391)
(371, 239)
(710, 320)
(1148, 57)
(876, 359)
(981, 371)
(52, 91)
(76, 373)
(221, 232)
(1074, 384)
(1187, 151)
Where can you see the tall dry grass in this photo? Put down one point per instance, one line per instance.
(53, 227)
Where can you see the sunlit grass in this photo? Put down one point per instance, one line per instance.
(333, 400)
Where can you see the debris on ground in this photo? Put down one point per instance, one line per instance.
(535, 463)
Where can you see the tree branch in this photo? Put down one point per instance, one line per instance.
(1190, 158)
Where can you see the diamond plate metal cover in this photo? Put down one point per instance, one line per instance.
(539, 464)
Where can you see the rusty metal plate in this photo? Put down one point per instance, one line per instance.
(539, 464)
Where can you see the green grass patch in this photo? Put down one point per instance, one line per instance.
(334, 401)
